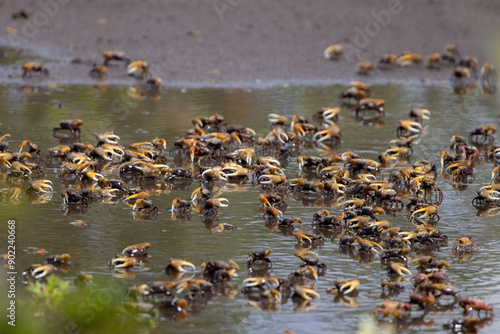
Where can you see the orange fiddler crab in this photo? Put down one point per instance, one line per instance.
(333, 52)
(71, 124)
(118, 56)
(485, 133)
(397, 309)
(98, 71)
(464, 243)
(410, 59)
(305, 293)
(33, 67)
(138, 69)
(387, 61)
(365, 67)
(343, 287)
(177, 265)
(470, 304)
(433, 61)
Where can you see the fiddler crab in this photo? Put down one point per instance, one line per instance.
(304, 293)
(469, 304)
(137, 250)
(333, 52)
(71, 124)
(308, 238)
(43, 186)
(310, 258)
(397, 309)
(464, 243)
(344, 287)
(34, 67)
(260, 255)
(117, 56)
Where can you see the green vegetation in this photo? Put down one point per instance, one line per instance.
(54, 307)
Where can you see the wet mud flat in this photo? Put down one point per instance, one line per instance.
(252, 42)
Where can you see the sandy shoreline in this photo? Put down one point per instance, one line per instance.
(245, 42)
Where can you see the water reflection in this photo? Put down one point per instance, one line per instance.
(31, 113)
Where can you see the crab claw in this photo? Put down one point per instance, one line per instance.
(159, 142)
(407, 236)
(489, 194)
(65, 196)
(377, 245)
(246, 153)
(305, 293)
(104, 154)
(235, 138)
(182, 286)
(347, 287)
(277, 119)
(420, 113)
(312, 271)
(141, 204)
(329, 113)
(333, 132)
(14, 193)
(268, 161)
(427, 211)
(114, 150)
(254, 281)
(273, 212)
(219, 202)
(139, 66)
(93, 175)
(180, 204)
(399, 269)
(495, 173)
(214, 174)
(122, 262)
(178, 265)
(235, 171)
(19, 167)
(272, 179)
(112, 192)
(4, 136)
(264, 200)
(354, 203)
(302, 237)
(302, 254)
(337, 187)
(43, 271)
(43, 186)
(140, 195)
(199, 192)
(108, 138)
(138, 249)
(273, 295)
(411, 126)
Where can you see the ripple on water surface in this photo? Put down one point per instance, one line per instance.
(111, 227)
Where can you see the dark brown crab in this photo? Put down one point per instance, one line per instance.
(260, 255)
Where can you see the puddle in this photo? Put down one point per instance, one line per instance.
(31, 113)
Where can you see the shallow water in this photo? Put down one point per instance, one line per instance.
(31, 113)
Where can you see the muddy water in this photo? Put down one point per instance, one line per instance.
(31, 113)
